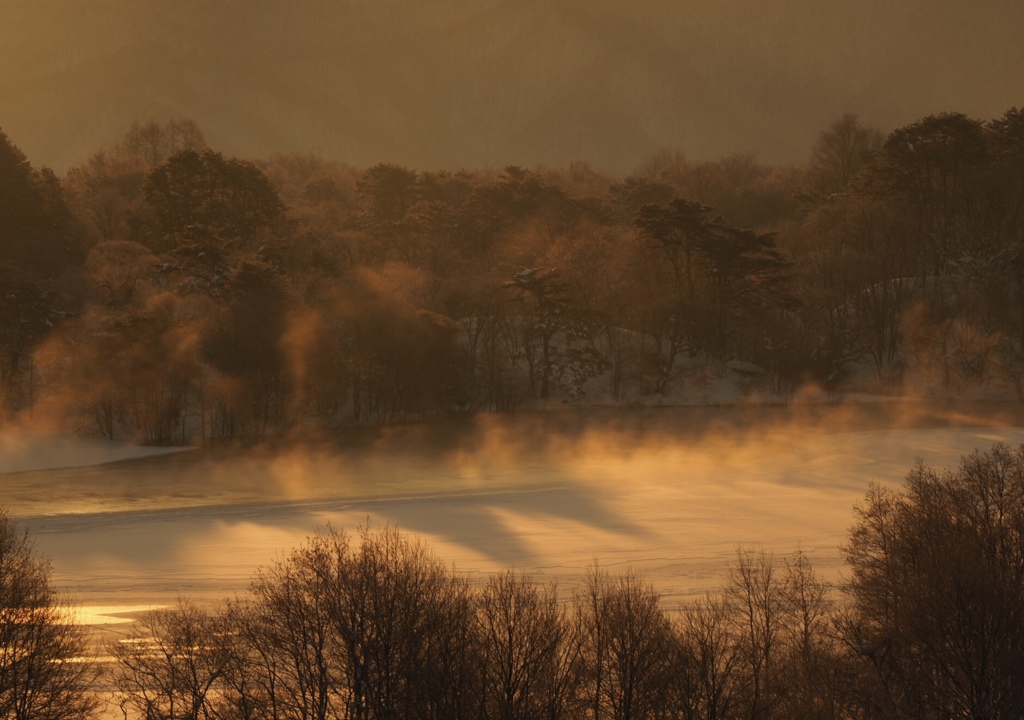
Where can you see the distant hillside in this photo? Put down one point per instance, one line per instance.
(451, 83)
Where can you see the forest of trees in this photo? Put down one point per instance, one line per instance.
(167, 293)
(928, 624)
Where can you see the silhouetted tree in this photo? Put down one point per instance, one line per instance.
(401, 358)
(556, 335)
(1005, 258)
(928, 166)
(36, 229)
(628, 196)
(716, 279)
(245, 348)
(391, 606)
(152, 143)
(172, 666)
(105, 193)
(27, 313)
(203, 196)
(45, 673)
(126, 371)
(628, 645)
(521, 627)
(706, 682)
(515, 199)
(374, 629)
(284, 664)
(937, 590)
(756, 600)
(388, 191)
(840, 153)
(815, 670)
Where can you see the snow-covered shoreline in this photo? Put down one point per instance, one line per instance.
(22, 451)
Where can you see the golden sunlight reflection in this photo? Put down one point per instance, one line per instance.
(111, 614)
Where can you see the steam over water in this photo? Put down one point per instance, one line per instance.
(673, 497)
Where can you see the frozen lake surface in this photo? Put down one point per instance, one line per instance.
(675, 506)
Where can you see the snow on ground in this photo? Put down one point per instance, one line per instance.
(22, 452)
(676, 508)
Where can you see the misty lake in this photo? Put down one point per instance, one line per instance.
(672, 494)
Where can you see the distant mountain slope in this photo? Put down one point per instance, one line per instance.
(450, 83)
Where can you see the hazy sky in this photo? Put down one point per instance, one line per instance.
(454, 83)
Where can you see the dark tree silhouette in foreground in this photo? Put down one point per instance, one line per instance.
(937, 590)
(43, 673)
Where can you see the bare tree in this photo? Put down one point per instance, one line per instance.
(709, 661)
(590, 603)
(172, 664)
(389, 612)
(841, 151)
(937, 591)
(815, 673)
(640, 641)
(519, 629)
(290, 635)
(251, 677)
(754, 593)
(628, 647)
(45, 669)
